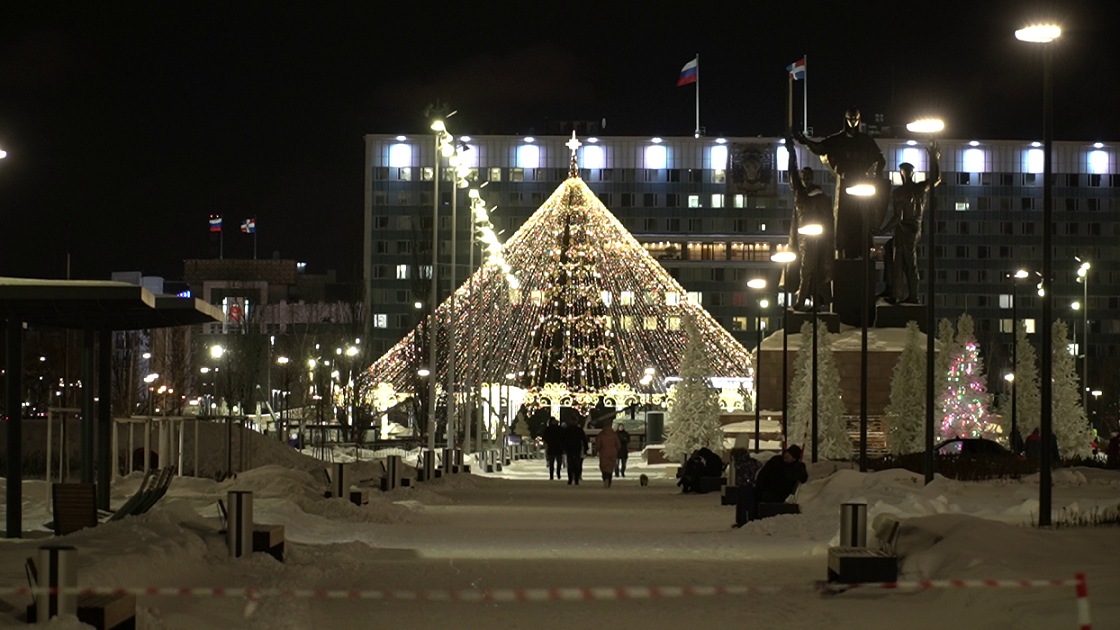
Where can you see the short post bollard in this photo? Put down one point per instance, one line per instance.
(448, 460)
(239, 525)
(429, 465)
(57, 568)
(393, 470)
(853, 525)
(340, 481)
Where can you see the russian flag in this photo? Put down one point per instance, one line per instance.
(249, 226)
(797, 70)
(215, 223)
(688, 73)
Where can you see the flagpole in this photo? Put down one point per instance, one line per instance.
(221, 242)
(805, 95)
(697, 95)
(254, 238)
(789, 104)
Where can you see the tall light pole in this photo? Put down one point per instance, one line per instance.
(813, 230)
(1083, 278)
(433, 300)
(1016, 440)
(930, 126)
(864, 190)
(785, 257)
(757, 284)
(1045, 34)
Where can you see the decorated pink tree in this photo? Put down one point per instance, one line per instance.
(966, 399)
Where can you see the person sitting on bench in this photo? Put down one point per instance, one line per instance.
(780, 476)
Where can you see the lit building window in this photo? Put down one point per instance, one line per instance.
(426, 272)
(717, 200)
(962, 205)
(674, 323)
(974, 161)
(1032, 161)
(783, 159)
(649, 323)
(627, 322)
(528, 156)
(719, 157)
(740, 201)
(608, 298)
(694, 201)
(1005, 301)
(656, 156)
(1029, 325)
(593, 157)
(400, 155)
(536, 297)
(672, 298)
(626, 298)
(738, 323)
(694, 297)
(914, 156)
(719, 176)
(427, 173)
(380, 320)
(402, 272)
(496, 174)
(1098, 162)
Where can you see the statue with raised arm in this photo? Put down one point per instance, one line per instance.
(908, 203)
(855, 158)
(815, 252)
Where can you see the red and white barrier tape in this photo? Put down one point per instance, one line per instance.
(554, 594)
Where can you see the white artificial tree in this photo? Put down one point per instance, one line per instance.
(1028, 395)
(832, 432)
(906, 413)
(1071, 428)
(694, 408)
(946, 350)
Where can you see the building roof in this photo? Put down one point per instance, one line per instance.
(98, 304)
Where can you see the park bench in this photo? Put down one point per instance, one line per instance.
(854, 565)
(266, 538)
(103, 612)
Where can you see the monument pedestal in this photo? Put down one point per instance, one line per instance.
(898, 315)
(794, 320)
(849, 291)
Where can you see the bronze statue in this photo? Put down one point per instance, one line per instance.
(815, 252)
(855, 158)
(909, 204)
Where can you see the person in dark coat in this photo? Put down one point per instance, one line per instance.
(553, 436)
(779, 477)
(575, 445)
(746, 469)
(623, 451)
(1033, 446)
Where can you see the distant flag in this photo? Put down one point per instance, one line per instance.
(215, 223)
(797, 69)
(249, 226)
(688, 72)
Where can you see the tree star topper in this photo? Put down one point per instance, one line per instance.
(574, 145)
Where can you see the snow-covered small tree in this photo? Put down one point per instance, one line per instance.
(1028, 396)
(906, 414)
(966, 399)
(946, 350)
(1071, 428)
(521, 427)
(832, 433)
(694, 408)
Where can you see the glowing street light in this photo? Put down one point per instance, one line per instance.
(217, 351)
(812, 229)
(926, 125)
(1039, 33)
(861, 190)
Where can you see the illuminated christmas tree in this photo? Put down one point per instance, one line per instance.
(832, 432)
(1071, 428)
(906, 414)
(694, 410)
(588, 312)
(965, 402)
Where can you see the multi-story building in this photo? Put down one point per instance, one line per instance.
(712, 210)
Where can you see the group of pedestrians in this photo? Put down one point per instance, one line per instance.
(565, 445)
(773, 482)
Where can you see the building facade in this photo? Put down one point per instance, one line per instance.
(713, 210)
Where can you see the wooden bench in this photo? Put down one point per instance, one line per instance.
(855, 565)
(269, 539)
(75, 507)
(104, 612)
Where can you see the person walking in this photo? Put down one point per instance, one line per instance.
(608, 445)
(553, 436)
(575, 445)
(623, 450)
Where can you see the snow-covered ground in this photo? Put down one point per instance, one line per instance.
(517, 529)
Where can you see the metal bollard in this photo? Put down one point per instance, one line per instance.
(340, 481)
(393, 470)
(239, 523)
(429, 465)
(57, 568)
(448, 460)
(853, 525)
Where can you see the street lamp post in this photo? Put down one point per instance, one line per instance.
(433, 303)
(1045, 34)
(930, 126)
(1016, 440)
(757, 284)
(866, 245)
(1083, 278)
(813, 230)
(785, 257)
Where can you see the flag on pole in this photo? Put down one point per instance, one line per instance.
(688, 73)
(249, 226)
(797, 69)
(215, 223)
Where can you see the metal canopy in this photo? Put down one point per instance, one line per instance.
(98, 305)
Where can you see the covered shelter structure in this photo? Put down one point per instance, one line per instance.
(97, 309)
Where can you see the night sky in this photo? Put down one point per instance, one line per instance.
(127, 127)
